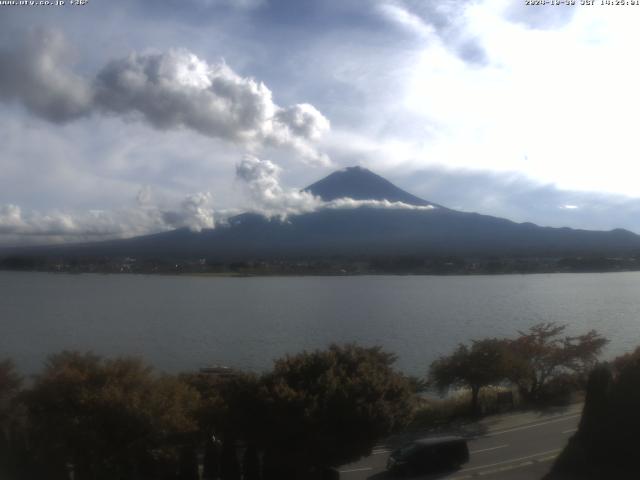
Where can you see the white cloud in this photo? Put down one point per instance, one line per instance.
(550, 104)
(170, 90)
(349, 203)
(406, 19)
(266, 194)
(239, 4)
(195, 213)
(17, 225)
(551, 101)
(10, 218)
(271, 199)
(303, 120)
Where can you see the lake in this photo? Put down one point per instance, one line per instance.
(180, 322)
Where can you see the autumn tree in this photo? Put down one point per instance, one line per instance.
(621, 362)
(543, 353)
(476, 366)
(329, 407)
(108, 418)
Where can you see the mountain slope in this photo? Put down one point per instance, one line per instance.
(361, 184)
(363, 231)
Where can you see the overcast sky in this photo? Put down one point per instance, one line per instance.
(127, 117)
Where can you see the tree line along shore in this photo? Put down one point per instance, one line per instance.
(365, 265)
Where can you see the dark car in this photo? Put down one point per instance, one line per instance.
(428, 455)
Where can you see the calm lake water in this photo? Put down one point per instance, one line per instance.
(179, 323)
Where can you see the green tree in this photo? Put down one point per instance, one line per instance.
(108, 418)
(211, 460)
(474, 367)
(229, 403)
(10, 384)
(231, 407)
(229, 464)
(188, 463)
(329, 407)
(251, 463)
(605, 445)
(10, 381)
(542, 353)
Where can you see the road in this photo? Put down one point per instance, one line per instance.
(516, 447)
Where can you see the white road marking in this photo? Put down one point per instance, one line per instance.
(547, 458)
(380, 452)
(571, 430)
(489, 449)
(351, 470)
(525, 427)
(509, 467)
(503, 469)
(513, 460)
(506, 469)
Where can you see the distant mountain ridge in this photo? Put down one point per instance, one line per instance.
(362, 231)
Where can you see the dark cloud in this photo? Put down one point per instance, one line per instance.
(198, 13)
(445, 19)
(471, 52)
(443, 15)
(36, 72)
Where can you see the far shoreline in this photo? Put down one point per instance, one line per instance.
(317, 274)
